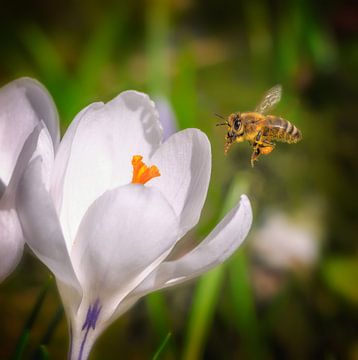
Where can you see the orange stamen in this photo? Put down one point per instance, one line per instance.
(141, 172)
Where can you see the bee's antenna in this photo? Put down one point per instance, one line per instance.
(221, 117)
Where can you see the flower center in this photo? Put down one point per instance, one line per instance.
(141, 172)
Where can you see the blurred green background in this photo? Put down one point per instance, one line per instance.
(291, 292)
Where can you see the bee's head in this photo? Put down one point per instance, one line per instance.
(235, 124)
(235, 130)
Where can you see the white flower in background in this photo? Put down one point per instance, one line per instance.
(284, 244)
(104, 223)
(24, 105)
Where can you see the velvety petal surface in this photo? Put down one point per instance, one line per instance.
(11, 237)
(124, 235)
(100, 153)
(184, 162)
(41, 225)
(17, 120)
(43, 105)
(32, 145)
(11, 241)
(215, 249)
(63, 156)
(23, 103)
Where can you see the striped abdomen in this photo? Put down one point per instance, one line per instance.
(281, 130)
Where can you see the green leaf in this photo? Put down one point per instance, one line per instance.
(208, 289)
(244, 307)
(202, 313)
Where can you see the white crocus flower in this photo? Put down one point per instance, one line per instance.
(297, 241)
(105, 223)
(24, 105)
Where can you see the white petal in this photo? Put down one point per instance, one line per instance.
(184, 162)
(43, 105)
(11, 241)
(29, 148)
(215, 249)
(63, 156)
(17, 120)
(45, 151)
(71, 299)
(86, 327)
(11, 237)
(23, 103)
(40, 223)
(124, 235)
(101, 152)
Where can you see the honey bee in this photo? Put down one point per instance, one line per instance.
(261, 130)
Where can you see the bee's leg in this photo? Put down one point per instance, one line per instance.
(258, 137)
(255, 154)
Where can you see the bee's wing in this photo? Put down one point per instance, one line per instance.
(270, 99)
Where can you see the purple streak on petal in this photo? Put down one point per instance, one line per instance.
(90, 322)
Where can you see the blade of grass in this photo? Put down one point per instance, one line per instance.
(159, 317)
(202, 312)
(25, 333)
(184, 97)
(99, 49)
(208, 289)
(244, 307)
(157, 29)
(158, 14)
(157, 309)
(320, 44)
(287, 42)
(46, 338)
(256, 21)
(43, 353)
(241, 289)
(52, 71)
(45, 55)
(162, 347)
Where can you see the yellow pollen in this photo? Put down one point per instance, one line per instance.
(141, 172)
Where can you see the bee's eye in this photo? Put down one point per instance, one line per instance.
(237, 124)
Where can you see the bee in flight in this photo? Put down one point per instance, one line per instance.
(261, 130)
